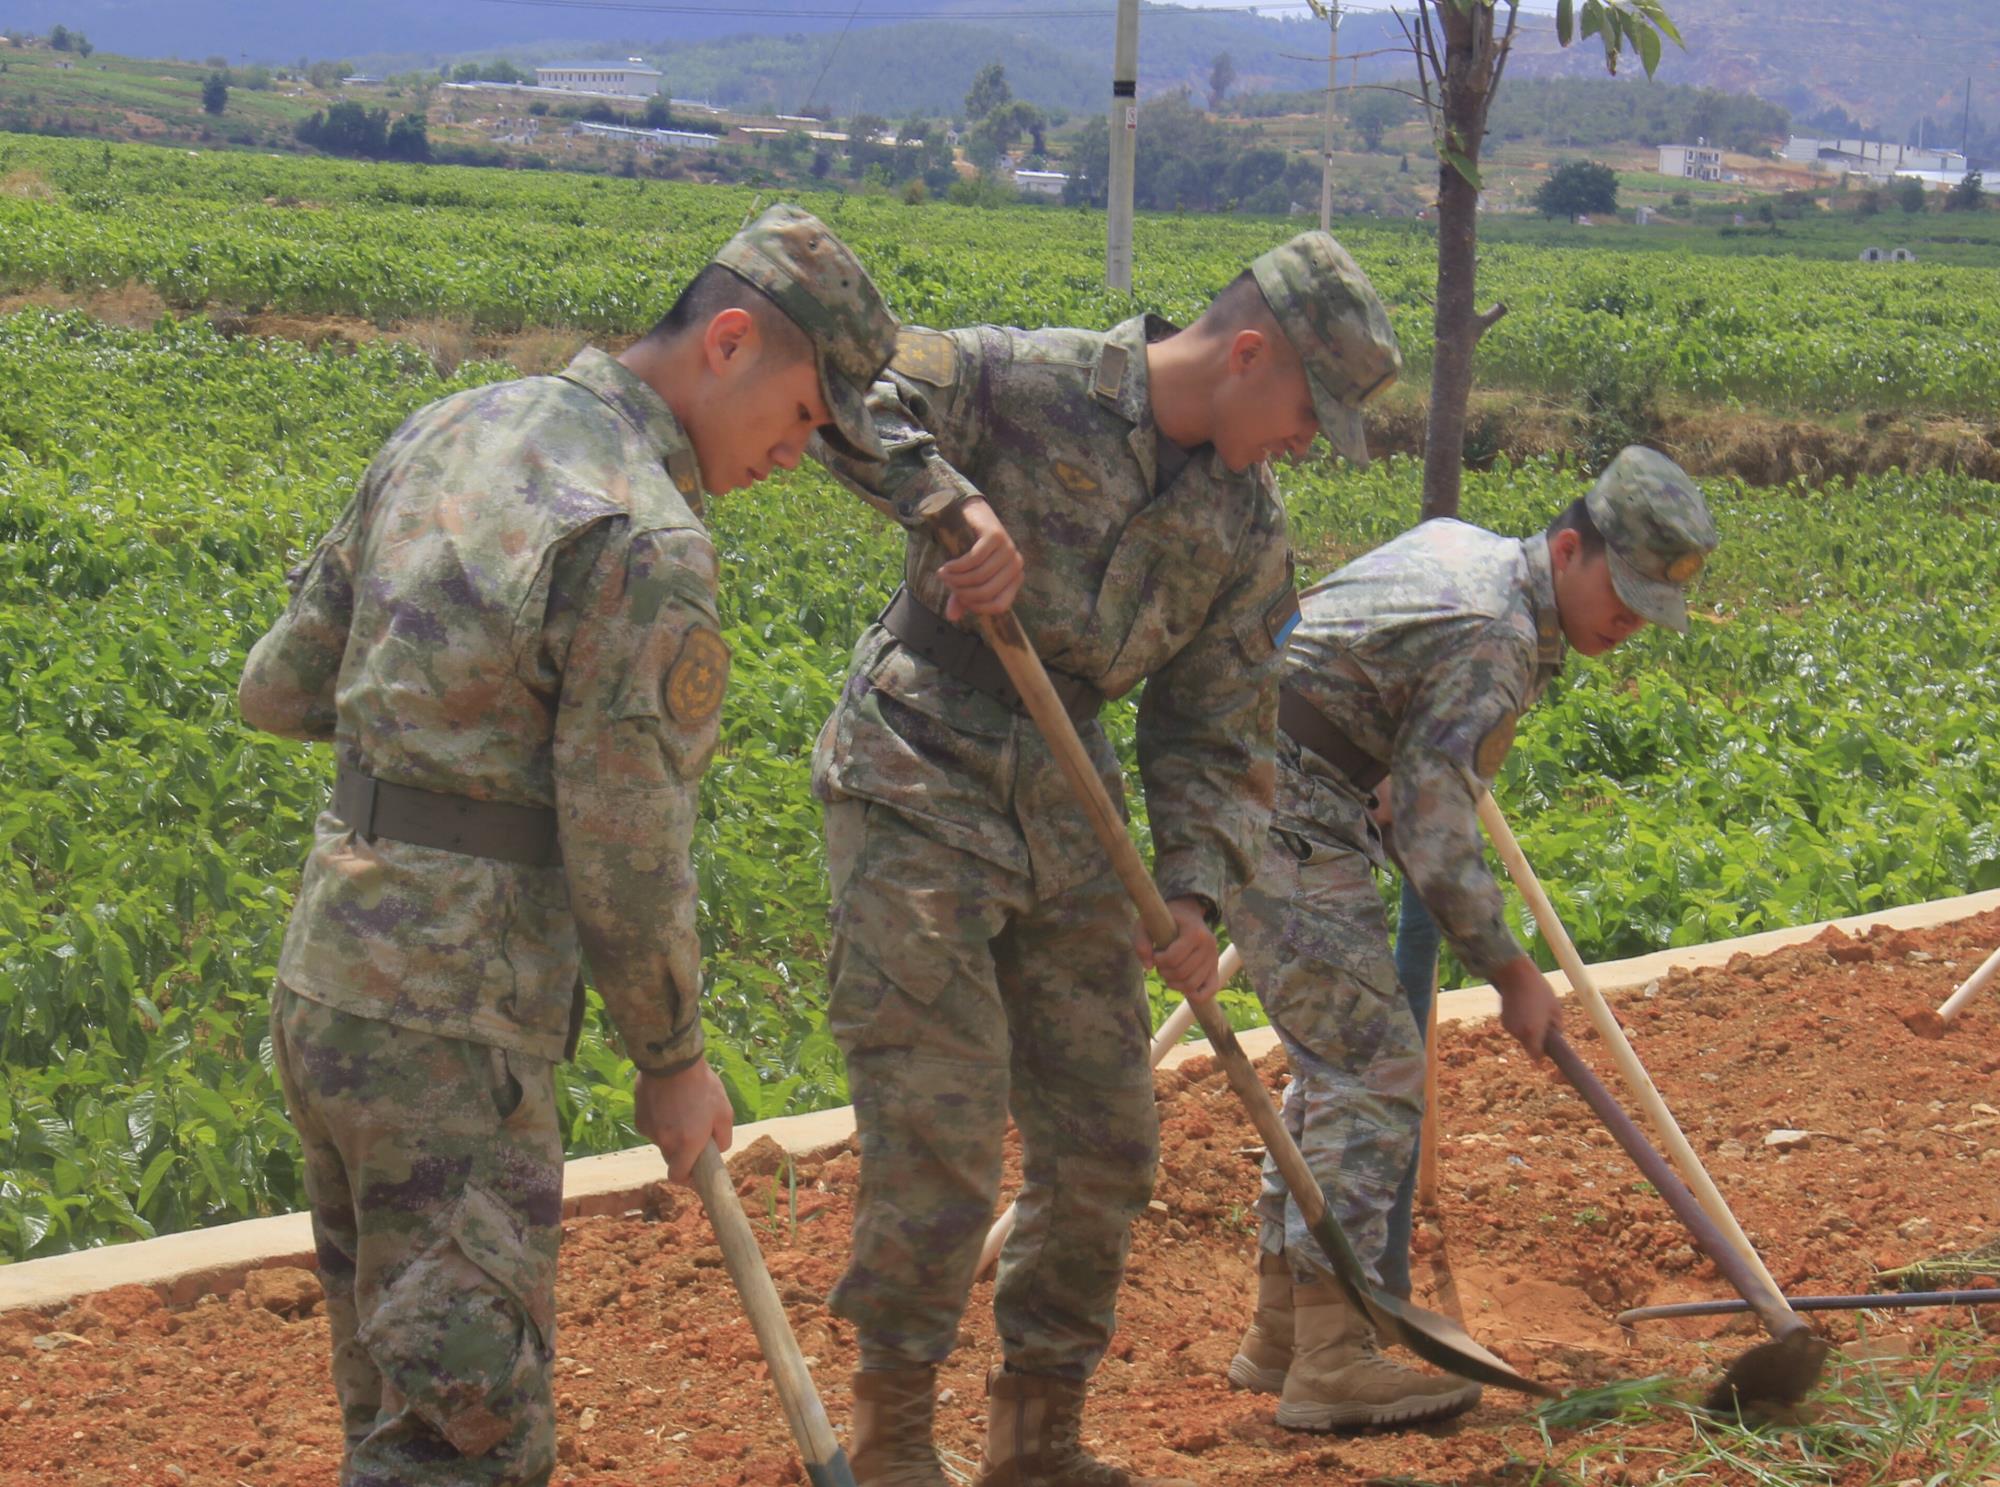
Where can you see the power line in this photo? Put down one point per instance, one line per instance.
(831, 52)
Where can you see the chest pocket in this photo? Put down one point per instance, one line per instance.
(1164, 573)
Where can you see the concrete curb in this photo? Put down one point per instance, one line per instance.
(182, 1267)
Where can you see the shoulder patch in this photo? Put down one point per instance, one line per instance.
(1492, 751)
(698, 677)
(928, 356)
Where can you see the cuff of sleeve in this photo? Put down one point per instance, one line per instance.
(669, 1055)
(1183, 875)
(938, 478)
(1487, 951)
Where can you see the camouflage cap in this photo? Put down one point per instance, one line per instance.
(1331, 315)
(817, 281)
(1657, 533)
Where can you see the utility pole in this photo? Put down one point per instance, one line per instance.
(1124, 142)
(1965, 123)
(1328, 11)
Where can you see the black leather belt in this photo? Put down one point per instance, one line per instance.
(966, 655)
(1310, 728)
(524, 834)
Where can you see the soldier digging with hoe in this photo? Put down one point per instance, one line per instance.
(983, 955)
(1402, 686)
(510, 638)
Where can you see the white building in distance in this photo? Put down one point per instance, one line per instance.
(1877, 159)
(1696, 162)
(651, 139)
(628, 79)
(1040, 182)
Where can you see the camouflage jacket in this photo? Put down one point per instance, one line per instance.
(1186, 587)
(1424, 653)
(518, 605)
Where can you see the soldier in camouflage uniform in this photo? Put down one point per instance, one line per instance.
(985, 959)
(1402, 686)
(510, 639)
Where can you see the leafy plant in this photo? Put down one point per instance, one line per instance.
(1823, 743)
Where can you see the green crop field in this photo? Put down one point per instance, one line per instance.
(501, 250)
(144, 95)
(1828, 740)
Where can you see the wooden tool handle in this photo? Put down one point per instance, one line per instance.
(1974, 984)
(1003, 632)
(1763, 1297)
(825, 1460)
(1637, 1080)
(1427, 1136)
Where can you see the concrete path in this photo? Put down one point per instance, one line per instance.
(184, 1266)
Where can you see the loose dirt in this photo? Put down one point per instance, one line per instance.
(1759, 447)
(1544, 1233)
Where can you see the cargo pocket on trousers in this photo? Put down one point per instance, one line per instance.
(464, 1335)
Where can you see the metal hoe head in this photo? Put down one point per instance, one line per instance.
(1772, 1375)
(1433, 1338)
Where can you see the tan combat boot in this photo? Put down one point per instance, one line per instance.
(1339, 1377)
(1034, 1424)
(892, 1429)
(1266, 1350)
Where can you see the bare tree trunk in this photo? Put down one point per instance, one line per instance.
(1454, 338)
(1470, 73)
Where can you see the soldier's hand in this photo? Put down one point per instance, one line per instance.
(985, 577)
(1189, 964)
(681, 1113)
(1528, 1006)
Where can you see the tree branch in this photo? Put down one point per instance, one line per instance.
(1485, 321)
(1386, 88)
(1380, 51)
(1500, 62)
(1423, 42)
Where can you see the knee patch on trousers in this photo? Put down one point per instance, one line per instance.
(465, 1333)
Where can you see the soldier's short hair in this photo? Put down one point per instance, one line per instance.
(1575, 517)
(1239, 305)
(717, 288)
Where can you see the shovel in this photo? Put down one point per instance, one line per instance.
(1780, 1372)
(1431, 1337)
(825, 1459)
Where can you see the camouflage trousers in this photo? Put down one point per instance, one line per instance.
(1315, 942)
(434, 1170)
(958, 996)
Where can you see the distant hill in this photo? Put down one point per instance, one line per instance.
(740, 51)
(1055, 62)
(1887, 63)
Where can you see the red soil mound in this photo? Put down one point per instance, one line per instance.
(1545, 1232)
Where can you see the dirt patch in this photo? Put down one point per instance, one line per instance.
(132, 305)
(26, 185)
(448, 343)
(1757, 447)
(1545, 1232)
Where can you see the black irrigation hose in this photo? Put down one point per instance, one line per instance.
(1891, 1301)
